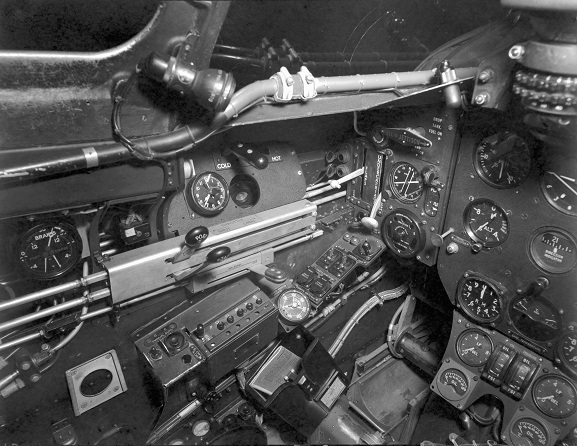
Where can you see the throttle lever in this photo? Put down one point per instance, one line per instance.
(192, 240)
(215, 256)
(248, 154)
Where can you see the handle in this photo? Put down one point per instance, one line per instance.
(250, 155)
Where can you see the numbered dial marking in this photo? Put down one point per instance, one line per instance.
(453, 384)
(536, 318)
(528, 432)
(486, 223)
(406, 183)
(49, 250)
(402, 233)
(554, 250)
(480, 300)
(567, 353)
(474, 348)
(503, 160)
(559, 184)
(208, 194)
(555, 396)
(293, 306)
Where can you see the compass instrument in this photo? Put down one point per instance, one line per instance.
(555, 396)
(535, 317)
(474, 347)
(486, 222)
(405, 182)
(480, 300)
(49, 250)
(503, 160)
(294, 306)
(554, 250)
(207, 194)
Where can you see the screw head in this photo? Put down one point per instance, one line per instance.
(481, 98)
(517, 52)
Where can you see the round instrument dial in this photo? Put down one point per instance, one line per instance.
(559, 184)
(535, 317)
(480, 300)
(554, 250)
(528, 432)
(486, 223)
(208, 194)
(402, 233)
(503, 160)
(293, 306)
(49, 250)
(567, 352)
(474, 347)
(405, 182)
(555, 396)
(201, 428)
(453, 384)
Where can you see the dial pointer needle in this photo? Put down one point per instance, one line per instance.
(58, 263)
(563, 181)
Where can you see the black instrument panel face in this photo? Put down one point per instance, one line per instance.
(539, 398)
(408, 157)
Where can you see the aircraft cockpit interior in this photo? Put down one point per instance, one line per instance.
(295, 222)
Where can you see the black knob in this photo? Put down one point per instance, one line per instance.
(155, 353)
(240, 312)
(230, 319)
(220, 325)
(218, 254)
(199, 331)
(196, 236)
(366, 247)
(258, 301)
(249, 306)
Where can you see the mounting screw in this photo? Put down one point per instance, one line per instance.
(290, 81)
(481, 98)
(485, 76)
(517, 52)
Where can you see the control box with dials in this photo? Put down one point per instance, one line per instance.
(539, 399)
(351, 250)
(409, 160)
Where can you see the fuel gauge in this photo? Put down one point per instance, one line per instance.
(474, 347)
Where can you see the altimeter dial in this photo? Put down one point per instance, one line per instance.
(487, 223)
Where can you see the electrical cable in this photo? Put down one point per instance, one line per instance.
(356, 125)
(390, 340)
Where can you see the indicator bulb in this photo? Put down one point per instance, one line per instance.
(430, 175)
(199, 332)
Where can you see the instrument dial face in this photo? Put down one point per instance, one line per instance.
(555, 396)
(294, 306)
(453, 384)
(201, 428)
(208, 194)
(486, 223)
(503, 160)
(474, 347)
(479, 300)
(402, 233)
(554, 250)
(49, 250)
(528, 432)
(559, 184)
(535, 317)
(567, 353)
(405, 182)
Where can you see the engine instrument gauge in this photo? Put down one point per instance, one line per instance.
(474, 347)
(567, 353)
(293, 306)
(486, 222)
(535, 317)
(480, 300)
(49, 250)
(555, 396)
(201, 428)
(402, 233)
(554, 250)
(559, 184)
(528, 432)
(503, 160)
(453, 384)
(405, 182)
(207, 194)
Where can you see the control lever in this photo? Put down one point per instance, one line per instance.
(215, 256)
(407, 137)
(248, 154)
(192, 241)
(370, 222)
(275, 275)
